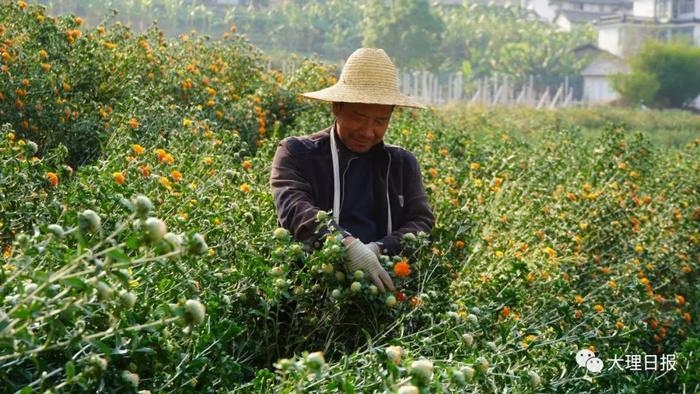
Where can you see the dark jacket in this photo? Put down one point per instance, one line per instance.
(301, 180)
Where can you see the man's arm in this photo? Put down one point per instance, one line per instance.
(417, 212)
(294, 203)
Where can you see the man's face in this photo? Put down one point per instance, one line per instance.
(361, 126)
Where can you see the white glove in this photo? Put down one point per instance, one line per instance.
(362, 258)
(374, 248)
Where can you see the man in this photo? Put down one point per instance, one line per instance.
(374, 189)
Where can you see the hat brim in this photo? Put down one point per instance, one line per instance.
(368, 95)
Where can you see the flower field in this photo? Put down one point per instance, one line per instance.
(141, 251)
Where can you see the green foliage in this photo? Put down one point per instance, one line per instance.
(86, 85)
(490, 39)
(510, 41)
(409, 30)
(160, 266)
(636, 88)
(662, 74)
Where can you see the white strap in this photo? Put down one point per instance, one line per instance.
(336, 178)
(336, 185)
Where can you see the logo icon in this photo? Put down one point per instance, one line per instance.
(586, 358)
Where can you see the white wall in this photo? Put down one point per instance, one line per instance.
(609, 39)
(697, 9)
(543, 9)
(563, 23)
(598, 89)
(696, 32)
(644, 8)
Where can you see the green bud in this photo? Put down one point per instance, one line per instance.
(89, 221)
(194, 311)
(155, 228)
(143, 206)
(56, 230)
(104, 291)
(197, 245)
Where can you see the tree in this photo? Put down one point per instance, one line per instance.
(408, 30)
(666, 74)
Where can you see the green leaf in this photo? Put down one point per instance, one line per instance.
(70, 370)
(118, 255)
(75, 283)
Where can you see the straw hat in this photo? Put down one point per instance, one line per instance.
(368, 77)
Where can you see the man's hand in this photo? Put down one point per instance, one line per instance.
(374, 248)
(372, 245)
(362, 258)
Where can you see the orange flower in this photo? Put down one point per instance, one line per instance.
(400, 296)
(505, 311)
(169, 159)
(402, 269)
(247, 164)
(176, 175)
(680, 299)
(598, 308)
(653, 323)
(245, 188)
(118, 177)
(415, 301)
(138, 149)
(687, 317)
(459, 244)
(433, 172)
(53, 178)
(145, 170)
(578, 314)
(133, 123)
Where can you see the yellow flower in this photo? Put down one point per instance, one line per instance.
(133, 123)
(165, 182)
(474, 166)
(138, 149)
(245, 188)
(207, 160)
(598, 308)
(551, 252)
(639, 248)
(186, 122)
(619, 325)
